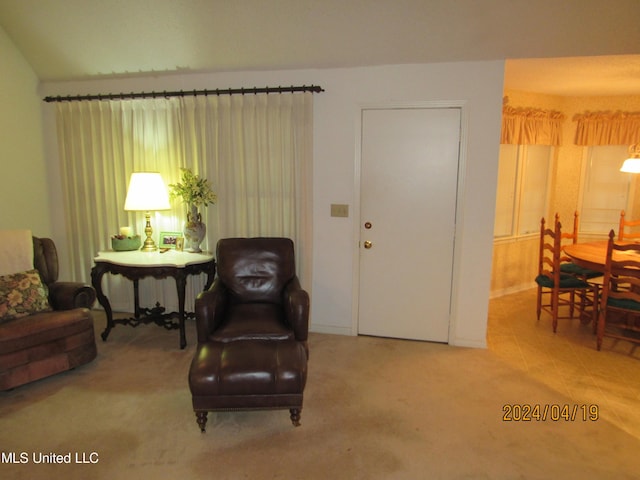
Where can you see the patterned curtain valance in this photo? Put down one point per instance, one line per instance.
(530, 126)
(607, 128)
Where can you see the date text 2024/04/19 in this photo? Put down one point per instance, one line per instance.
(514, 412)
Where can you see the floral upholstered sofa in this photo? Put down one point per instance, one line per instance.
(46, 326)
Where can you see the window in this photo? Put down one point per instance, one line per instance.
(523, 189)
(605, 191)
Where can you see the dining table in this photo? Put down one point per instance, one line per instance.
(593, 255)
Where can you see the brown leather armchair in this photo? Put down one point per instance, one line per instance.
(252, 327)
(48, 342)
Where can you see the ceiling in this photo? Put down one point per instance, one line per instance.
(598, 42)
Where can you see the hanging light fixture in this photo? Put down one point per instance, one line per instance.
(632, 164)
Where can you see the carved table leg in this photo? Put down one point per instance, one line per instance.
(202, 420)
(211, 273)
(96, 281)
(295, 416)
(136, 300)
(181, 286)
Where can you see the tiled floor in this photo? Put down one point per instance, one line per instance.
(568, 360)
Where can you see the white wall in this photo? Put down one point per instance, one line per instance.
(24, 199)
(478, 84)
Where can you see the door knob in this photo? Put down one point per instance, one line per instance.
(367, 244)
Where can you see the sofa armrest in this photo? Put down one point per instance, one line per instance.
(209, 309)
(297, 309)
(69, 295)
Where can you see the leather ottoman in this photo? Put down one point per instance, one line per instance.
(248, 375)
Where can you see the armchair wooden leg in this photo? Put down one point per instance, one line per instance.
(202, 420)
(295, 416)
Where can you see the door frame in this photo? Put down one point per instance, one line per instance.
(458, 231)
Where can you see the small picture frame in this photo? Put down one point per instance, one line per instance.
(169, 239)
(180, 244)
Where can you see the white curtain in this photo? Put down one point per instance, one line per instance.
(255, 149)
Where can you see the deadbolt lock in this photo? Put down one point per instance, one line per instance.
(367, 244)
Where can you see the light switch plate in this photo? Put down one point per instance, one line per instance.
(339, 210)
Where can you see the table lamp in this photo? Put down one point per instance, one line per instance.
(632, 164)
(147, 192)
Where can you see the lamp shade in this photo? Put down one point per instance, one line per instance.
(632, 164)
(147, 192)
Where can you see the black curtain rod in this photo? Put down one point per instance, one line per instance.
(182, 93)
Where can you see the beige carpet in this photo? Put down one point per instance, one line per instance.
(374, 409)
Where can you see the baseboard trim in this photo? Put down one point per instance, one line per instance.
(510, 290)
(330, 329)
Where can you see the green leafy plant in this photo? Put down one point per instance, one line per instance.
(193, 190)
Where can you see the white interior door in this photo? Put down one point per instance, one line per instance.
(409, 177)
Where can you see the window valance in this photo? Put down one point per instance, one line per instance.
(530, 126)
(607, 128)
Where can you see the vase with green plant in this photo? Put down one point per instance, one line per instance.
(195, 192)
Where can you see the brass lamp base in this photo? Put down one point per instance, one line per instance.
(148, 245)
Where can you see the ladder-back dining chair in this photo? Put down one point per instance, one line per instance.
(628, 230)
(556, 289)
(566, 264)
(619, 315)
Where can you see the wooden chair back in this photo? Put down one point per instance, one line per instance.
(628, 235)
(620, 290)
(571, 236)
(550, 251)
